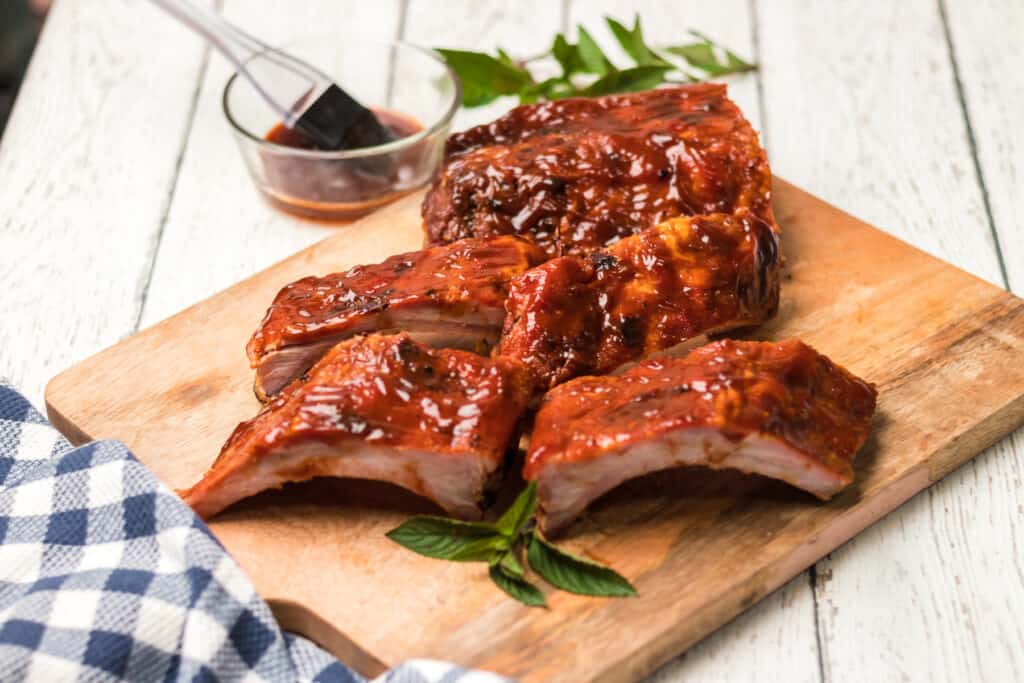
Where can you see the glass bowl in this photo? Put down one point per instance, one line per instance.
(409, 87)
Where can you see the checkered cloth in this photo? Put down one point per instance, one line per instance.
(106, 575)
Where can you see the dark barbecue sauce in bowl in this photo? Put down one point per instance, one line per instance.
(338, 188)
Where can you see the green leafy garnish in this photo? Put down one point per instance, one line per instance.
(514, 520)
(485, 78)
(630, 80)
(592, 55)
(502, 545)
(449, 539)
(704, 55)
(632, 41)
(586, 68)
(575, 574)
(510, 565)
(520, 589)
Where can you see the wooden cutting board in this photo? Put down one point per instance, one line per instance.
(945, 348)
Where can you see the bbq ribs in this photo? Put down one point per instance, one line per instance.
(446, 296)
(576, 175)
(578, 315)
(381, 407)
(654, 209)
(781, 410)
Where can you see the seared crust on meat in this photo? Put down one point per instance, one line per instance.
(577, 315)
(578, 174)
(777, 409)
(382, 407)
(451, 295)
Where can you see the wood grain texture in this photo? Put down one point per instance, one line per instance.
(87, 162)
(700, 547)
(989, 52)
(776, 640)
(858, 102)
(873, 122)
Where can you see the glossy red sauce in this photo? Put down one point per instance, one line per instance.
(400, 125)
(785, 390)
(336, 189)
(578, 315)
(579, 174)
(469, 275)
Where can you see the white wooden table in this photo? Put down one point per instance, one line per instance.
(123, 200)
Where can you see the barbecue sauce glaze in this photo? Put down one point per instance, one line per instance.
(336, 188)
(579, 174)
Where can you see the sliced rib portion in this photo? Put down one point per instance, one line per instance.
(781, 410)
(385, 407)
(577, 315)
(576, 175)
(449, 296)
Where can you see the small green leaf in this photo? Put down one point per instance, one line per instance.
(519, 512)
(628, 80)
(567, 56)
(591, 55)
(520, 589)
(510, 565)
(710, 57)
(485, 78)
(632, 41)
(575, 574)
(554, 88)
(449, 539)
(504, 58)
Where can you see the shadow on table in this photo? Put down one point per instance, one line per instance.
(20, 21)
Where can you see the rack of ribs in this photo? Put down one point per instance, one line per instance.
(383, 407)
(446, 296)
(780, 410)
(577, 315)
(578, 174)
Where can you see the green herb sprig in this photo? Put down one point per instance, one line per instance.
(586, 69)
(504, 545)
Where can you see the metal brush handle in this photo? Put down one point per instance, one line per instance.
(286, 83)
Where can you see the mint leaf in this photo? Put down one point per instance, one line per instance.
(519, 513)
(504, 58)
(485, 78)
(567, 55)
(554, 88)
(710, 57)
(449, 539)
(518, 588)
(628, 80)
(575, 574)
(510, 565)
(590, 53)
(632, 41)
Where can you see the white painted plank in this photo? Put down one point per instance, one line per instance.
(988, 40)
(524, 28)
(776, 640)
(219, 229)
(862, 109)
(935, 591)
(86, 165)
(772, 641)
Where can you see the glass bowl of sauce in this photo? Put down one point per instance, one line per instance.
(411, 90)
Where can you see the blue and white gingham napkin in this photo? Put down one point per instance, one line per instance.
(106, 575)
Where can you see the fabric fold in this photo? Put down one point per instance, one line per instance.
(106, 575)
